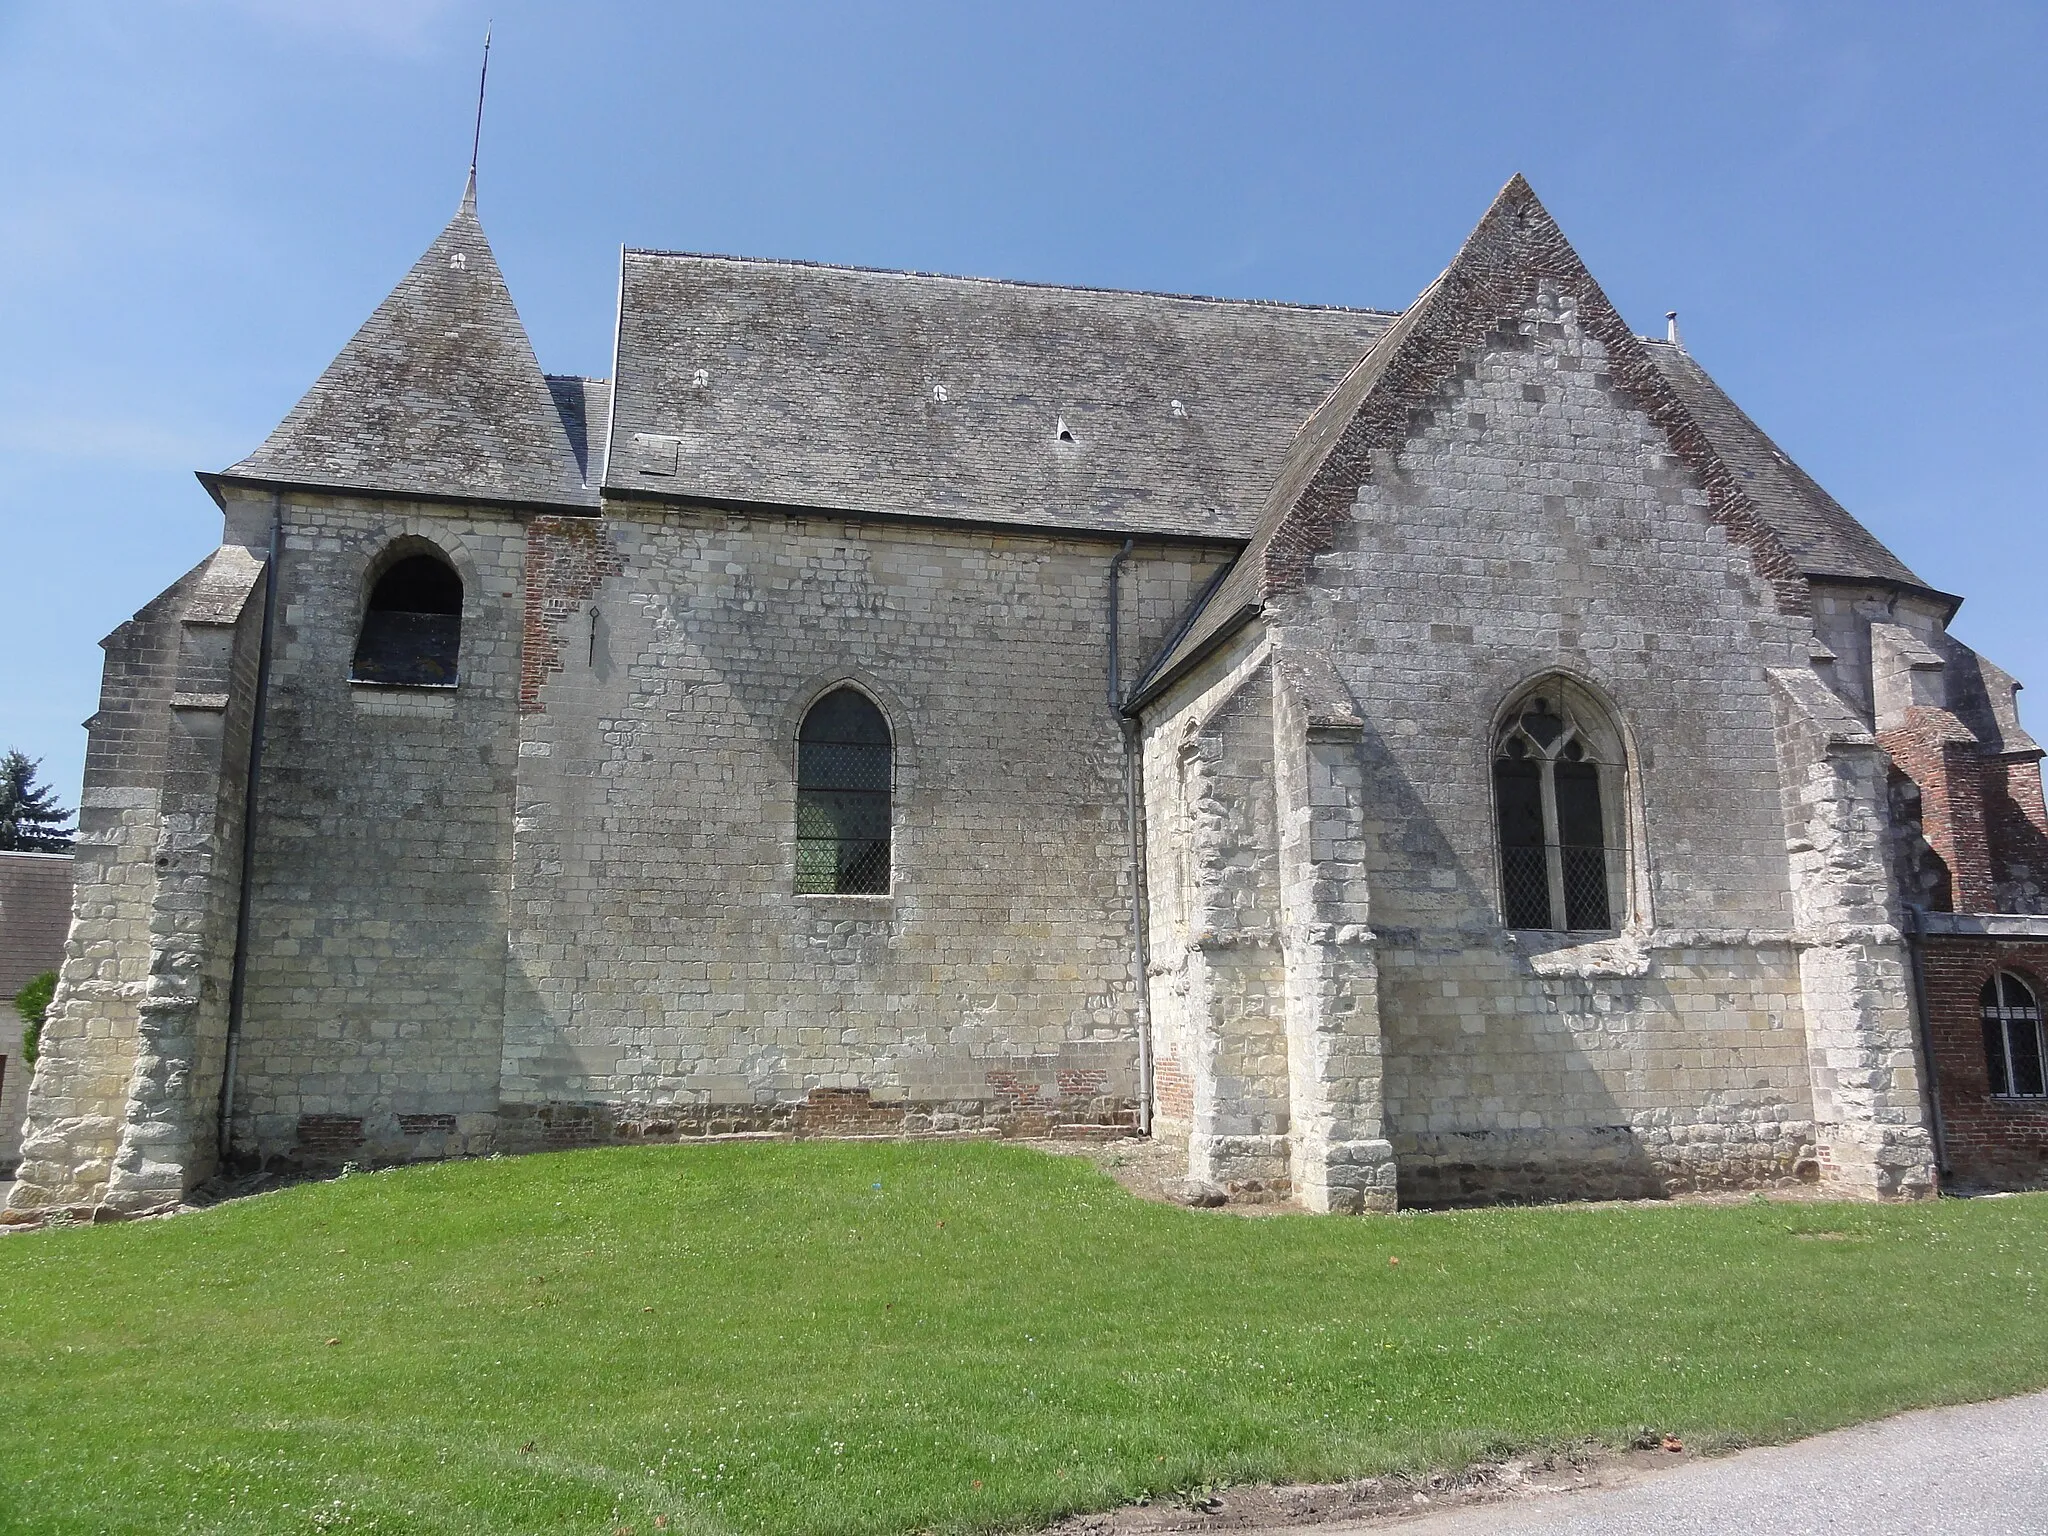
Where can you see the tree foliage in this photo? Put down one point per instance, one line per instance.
(32, 1002)
(31, 820)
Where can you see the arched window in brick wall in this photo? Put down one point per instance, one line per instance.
(412, 628)
(844, 774)
(2012, 1038)
(1558, 776)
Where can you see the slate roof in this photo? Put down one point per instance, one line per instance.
(895, 392)
(586, 410)
(1819, 531)
(438, 394)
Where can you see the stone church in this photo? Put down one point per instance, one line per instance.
(1424, 756)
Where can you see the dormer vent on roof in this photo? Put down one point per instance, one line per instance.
(438, 395)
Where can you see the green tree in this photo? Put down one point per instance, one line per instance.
(32, 1002)
(31, 820)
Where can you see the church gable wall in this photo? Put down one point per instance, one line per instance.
(377, 956)
(666, 979)
(1536, 520)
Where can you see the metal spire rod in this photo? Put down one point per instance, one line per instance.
(476, 142)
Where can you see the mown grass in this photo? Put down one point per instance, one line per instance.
(879, 1337)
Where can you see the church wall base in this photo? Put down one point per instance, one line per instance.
(335, 1140)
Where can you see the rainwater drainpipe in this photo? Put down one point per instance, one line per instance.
(1134, 856)
(1916, 924)
(238, 984)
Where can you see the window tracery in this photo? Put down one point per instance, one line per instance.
(1557, 779)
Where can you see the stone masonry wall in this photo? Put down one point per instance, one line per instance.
(1536, 520)
(375, 1004)
(80, 1092)
(664, 977)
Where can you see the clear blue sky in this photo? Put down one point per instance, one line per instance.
(201, 199)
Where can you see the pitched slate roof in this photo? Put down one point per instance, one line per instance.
(437, 394)
(1819, 531)
(892, 392)
(1792, 528)
(586, 409)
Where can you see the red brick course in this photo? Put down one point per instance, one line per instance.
(567, 558)
(1989, 1141)
(1934, 750)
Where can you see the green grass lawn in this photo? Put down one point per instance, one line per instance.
(890, 1337)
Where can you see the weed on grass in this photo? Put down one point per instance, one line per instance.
(903, 1337)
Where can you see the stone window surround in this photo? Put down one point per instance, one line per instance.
(902, 770)
(404, 546)
(1620, 811)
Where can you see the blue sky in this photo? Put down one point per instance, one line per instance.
(201, 200)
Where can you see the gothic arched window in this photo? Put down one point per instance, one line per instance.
(412, 629)
(1557, 784)
(843, 779)
(2012, 1038)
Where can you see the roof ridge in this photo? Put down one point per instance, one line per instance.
(1009, 282)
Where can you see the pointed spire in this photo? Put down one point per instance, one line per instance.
(439, 394)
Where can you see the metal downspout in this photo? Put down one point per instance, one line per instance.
(239, 980)
(1915, 927)
(1134, 860)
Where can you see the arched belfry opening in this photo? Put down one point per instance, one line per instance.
(844, 777)
(412, 627)
(1559, 774)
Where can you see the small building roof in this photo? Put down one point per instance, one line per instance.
(438, 394)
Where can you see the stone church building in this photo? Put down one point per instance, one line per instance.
(1429, 756)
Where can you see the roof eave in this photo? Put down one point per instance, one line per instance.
(1095, 532)
(217, 482)
(1153, 687)
(1949, 601)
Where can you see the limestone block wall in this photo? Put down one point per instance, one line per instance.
(169, 1138)
(1536, 521)
(664, 976)
(1871, 1131)
(375, 989)
(78, 1101)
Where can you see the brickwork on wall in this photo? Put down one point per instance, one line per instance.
(35, 915)
(1995, 1142)
(1939, 755)
(2016, 826)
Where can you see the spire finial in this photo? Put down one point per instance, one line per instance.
(477, 140)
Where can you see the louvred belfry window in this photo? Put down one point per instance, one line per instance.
(1556, 787)
(844, 768)
(2012, 1038)
(412, 630)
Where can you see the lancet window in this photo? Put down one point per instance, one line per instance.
(844, 777)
